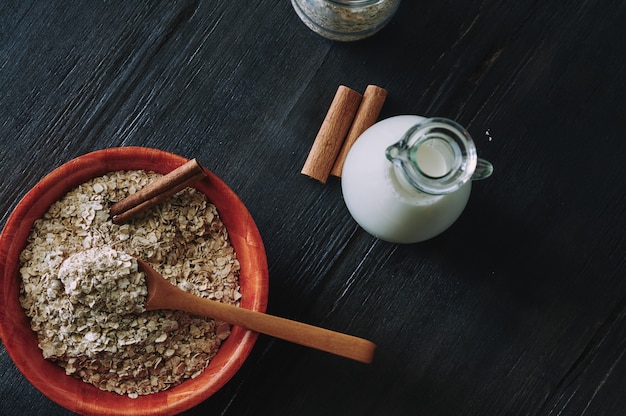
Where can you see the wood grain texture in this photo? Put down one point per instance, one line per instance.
(164, 295)
(517, 309)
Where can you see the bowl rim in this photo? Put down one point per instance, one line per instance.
(244, 236)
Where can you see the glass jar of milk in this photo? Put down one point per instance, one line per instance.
(408, 178)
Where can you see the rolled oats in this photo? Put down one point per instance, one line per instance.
(143, 352)
(105, 280)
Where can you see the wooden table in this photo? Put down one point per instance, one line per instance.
(518, 309)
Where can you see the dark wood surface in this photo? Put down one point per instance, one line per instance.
(518, 309)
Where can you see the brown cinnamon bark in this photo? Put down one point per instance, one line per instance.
(369, 110)
(157, 191)
(332, 133)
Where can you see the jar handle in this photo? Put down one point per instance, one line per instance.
(484, 169)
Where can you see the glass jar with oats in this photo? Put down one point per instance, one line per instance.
(345, 20)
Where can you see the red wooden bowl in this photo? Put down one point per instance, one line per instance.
(21, 342)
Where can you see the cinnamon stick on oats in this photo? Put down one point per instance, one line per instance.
(332, 133)
(369, 110)
(157, 191)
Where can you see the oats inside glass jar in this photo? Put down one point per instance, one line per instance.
(138, 353)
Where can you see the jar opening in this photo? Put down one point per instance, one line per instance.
(436, 156)
(355, 2)
(433, 157)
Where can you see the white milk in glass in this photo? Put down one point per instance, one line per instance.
(380, 198)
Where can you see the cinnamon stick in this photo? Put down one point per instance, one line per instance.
(369, 110)
(332, 133)
(157, 191)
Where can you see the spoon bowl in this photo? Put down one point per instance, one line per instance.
(164, 295)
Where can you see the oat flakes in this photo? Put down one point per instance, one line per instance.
(141, 353)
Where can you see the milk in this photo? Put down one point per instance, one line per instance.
(381, 200)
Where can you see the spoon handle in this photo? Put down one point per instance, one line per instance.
(300, 333)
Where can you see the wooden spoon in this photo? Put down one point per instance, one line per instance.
(164, 295)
